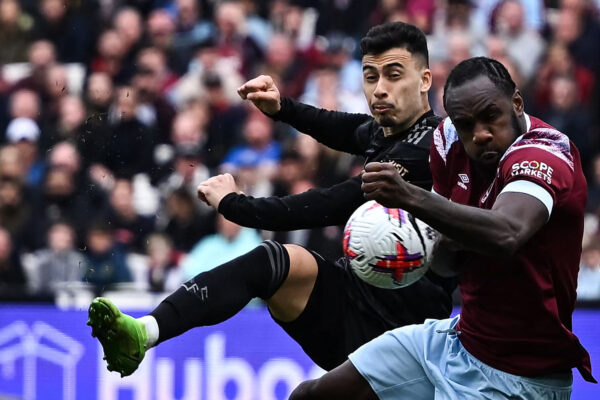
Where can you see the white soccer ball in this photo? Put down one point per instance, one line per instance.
(387, 247)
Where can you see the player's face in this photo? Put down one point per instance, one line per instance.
(487, 121)
(395, 85)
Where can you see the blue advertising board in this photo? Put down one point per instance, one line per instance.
(47, 354)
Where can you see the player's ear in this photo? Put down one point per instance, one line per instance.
(517, 101)
(426, 80)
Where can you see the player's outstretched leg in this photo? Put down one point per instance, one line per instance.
(209, 298)
(123, 338)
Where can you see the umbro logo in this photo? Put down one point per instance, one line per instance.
(464, 179)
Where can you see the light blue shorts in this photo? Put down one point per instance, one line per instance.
(420, 362)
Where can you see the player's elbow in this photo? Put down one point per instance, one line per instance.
(306, 391)
(506, 246)
(506, 237)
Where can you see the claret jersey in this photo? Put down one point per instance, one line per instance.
(516, 312)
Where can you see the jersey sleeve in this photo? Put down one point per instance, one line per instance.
(314, 208)
(437, 162)
(335, 129)
(544, 168)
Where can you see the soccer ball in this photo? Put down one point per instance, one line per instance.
(387, 247)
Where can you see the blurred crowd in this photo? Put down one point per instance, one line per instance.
(113, 111)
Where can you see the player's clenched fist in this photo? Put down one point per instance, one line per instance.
(212, 190)
(382, 182)
(263, 93)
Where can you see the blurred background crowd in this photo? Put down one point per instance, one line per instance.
(113, 111)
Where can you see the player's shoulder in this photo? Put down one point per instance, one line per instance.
(543, 140)
(444, 137)
(421, 133)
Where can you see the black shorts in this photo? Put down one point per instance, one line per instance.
(343, 312)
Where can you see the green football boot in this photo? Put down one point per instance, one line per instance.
(122, 337)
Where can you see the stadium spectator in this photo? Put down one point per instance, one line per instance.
(287, 66)
(260, 152)
(129, 26)
(15, 211)
(290, 171)
(110, 57)
(24, 134)
(226, 122)
(579, 28)
(526, 45)
(40, 56)
(328, 93)
(533, 9)
(106, 262)
(230, 241)
(152, 80)
(232, 40)
(164, 274)
(560, 62)
(193, 27)
(188, 172)
(338, 56)
(64, 195)
(59, 263)
(24, 103)
(66, 27)
(11, 164)
(258, 28)
(185, 224)
(71, 116)
(347, 17)
(206, 60)
(160, 27)
(188, 131)
(130, 147)
(16, 28)
(12, 276)
(99, 94)
(457, 20)
(570, 117)
(129, 227)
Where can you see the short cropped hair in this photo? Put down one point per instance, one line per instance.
(383, 37)
(471, 68)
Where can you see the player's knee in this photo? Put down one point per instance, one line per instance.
(302, 263)
(291, 298)
(306, 390)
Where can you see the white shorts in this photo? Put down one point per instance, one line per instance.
(420, 362)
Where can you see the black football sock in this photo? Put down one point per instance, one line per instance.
(217, 295)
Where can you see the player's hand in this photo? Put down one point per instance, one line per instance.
(444, 261)
(212, 190)
(263, 93)
(383, 183)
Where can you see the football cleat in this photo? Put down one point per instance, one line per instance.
(123, 338)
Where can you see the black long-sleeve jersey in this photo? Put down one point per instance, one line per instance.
(357, 134)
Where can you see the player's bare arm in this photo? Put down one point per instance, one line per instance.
(513, 220)
(263, 92)
(212, 190)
